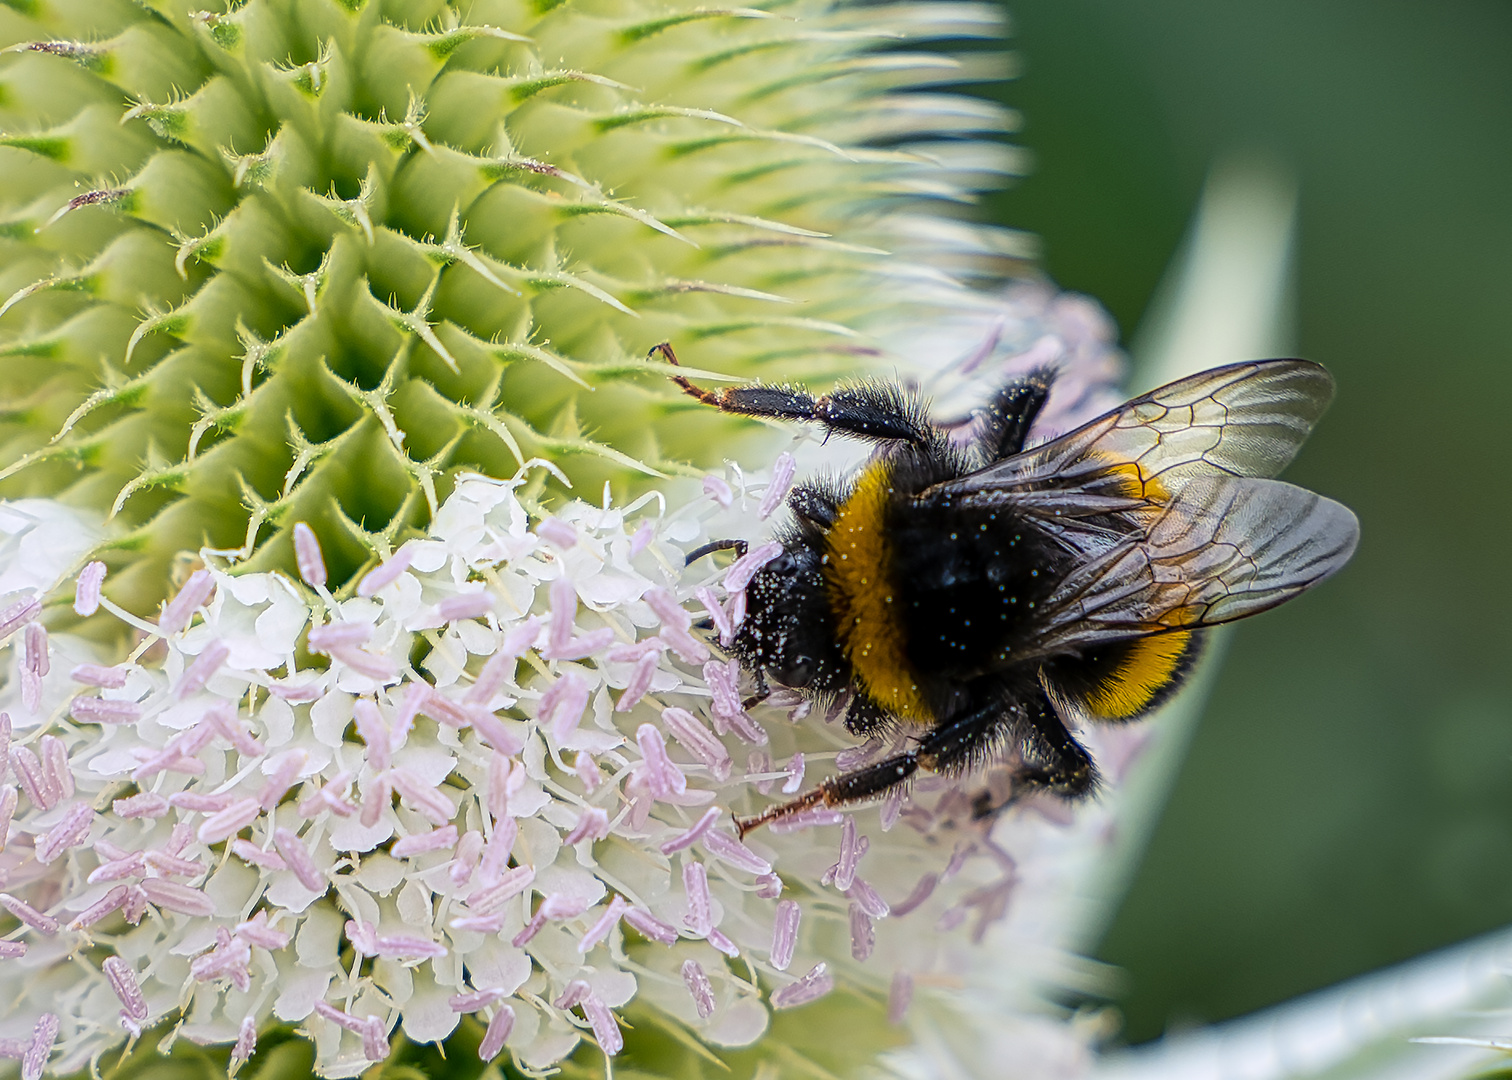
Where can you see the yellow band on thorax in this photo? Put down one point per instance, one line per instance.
(869, 622)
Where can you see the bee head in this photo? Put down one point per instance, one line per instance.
(786, 631)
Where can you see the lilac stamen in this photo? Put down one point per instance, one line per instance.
(698, 986)
(172, 865)
(497, 850)
(745, 568)
(642, 538)
(700, 916)
(863, 935)
(794, 781)
(307, 557)
(464, 606)
(246, 1040)
(868, 899)
(295, 854)
(716, 611)
(769, 886)
(149, 804)
(87, 589)
(111, 678)
(638, 683)
(563, 612)
(593, 825)
(409, 947)
(587, 771)
(783, 470)
(811, 987)
(899, 996)
(324, 638)
(363, 936)
(206, 664)
(35, 649)
(723, 944)
(251, 853)
(133, 864)
(222, 717)
(649, 926)
(478, 999)
(198, 802)
(386, 572)
(176, 897)
(717, 489)
(727, 849)
(692, 835)
(698, 740)
(618, 905)
(374, 732)
(37, 920)
(662, 777)
(921, 892)
(498, 1032)
(9, 797)
(511, 884)
(106, 905)
(55, 769)
(195, 593)
(11, 950)
(845, 869)
(19, 614)
(420, 843)
(286, 770)
(44, 1034)
(123, 982)
(257, 931)
(562, 705)
(94, 710)
(785, 934)
(605, 1027)
(71, 831)
(424, 798)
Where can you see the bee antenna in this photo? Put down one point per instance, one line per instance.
(739, 547)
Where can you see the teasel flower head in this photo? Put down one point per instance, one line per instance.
(282, 263)
(492, 786)
(339, 699)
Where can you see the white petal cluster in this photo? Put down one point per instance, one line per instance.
(495, 781)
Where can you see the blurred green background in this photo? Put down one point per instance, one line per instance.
(1347, 802)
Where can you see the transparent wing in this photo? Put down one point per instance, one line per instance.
(1222, 548)
(1240, 420)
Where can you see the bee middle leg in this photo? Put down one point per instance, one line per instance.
(1009, 415)
(953, 745)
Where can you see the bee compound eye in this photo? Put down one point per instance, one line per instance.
(797, 671)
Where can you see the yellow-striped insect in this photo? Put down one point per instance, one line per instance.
(986, 594)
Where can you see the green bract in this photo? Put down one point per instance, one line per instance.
(303, 261)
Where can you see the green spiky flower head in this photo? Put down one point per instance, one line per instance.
(306, 261)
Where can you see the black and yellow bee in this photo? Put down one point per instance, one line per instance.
(987, 594)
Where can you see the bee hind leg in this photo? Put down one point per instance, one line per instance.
(1062, 765)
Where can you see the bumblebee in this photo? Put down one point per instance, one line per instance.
(987, 596)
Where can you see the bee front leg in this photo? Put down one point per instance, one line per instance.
(868, 412)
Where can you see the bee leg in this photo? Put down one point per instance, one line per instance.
(952, 746)
(760, 691)
(849, 787)
(1008, 417)
(865, 717)
(866, 412)
(1067, 769)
